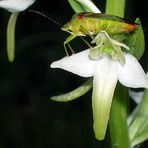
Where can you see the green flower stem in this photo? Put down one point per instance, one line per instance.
(118, 119)
(81, 90)
(11, 36)
(118, 116)
(115, 7)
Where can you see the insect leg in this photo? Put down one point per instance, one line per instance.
(70, 38)
(86, 42)
(71, 48)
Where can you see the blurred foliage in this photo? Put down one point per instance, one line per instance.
(27, 117)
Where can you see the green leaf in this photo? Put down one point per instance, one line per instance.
(140, 138)
(138, 129)
(81, 90)
(137, 41)
(142, 134)
(11, 36)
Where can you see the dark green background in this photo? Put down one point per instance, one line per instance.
(28, 119)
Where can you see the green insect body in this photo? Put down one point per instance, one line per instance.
(91, 24)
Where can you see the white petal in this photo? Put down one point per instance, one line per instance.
(79, 64)
(16, 5)
(137, 96)
(132, 74)
(105, 79)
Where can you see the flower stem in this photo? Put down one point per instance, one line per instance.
(118, 119)
(11, 36)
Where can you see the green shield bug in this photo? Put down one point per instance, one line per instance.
(88, 23)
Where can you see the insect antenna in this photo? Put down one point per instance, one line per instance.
(44, 15)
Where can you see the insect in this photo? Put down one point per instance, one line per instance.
(88, 23)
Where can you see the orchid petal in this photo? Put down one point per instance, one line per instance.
(78, 63)
(137, 96)
(132, 74)
(105, 79)
(16, 5)
(115, 42)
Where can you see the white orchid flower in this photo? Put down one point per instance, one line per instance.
(106, 71)
(16, 5)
